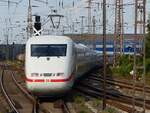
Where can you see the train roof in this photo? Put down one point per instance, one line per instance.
(49, 39)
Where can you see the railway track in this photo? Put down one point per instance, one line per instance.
(21, 99)
(64, 107)
(57, 106)
(26, 93)
(113, 98)
(113, 94)
(92, 86)
(7, 97)
(62, 104)
(120, 83)
(10, 97)
(38, 107)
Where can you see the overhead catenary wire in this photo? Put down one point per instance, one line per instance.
(76, 6)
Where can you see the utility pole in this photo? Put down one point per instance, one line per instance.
(89, 16)
(82, 27)
(73, 28)
(94, 27)
(118, 34)
(94, 24)
(140, 18)
(29, 20)
(104, 53)
(7, 32)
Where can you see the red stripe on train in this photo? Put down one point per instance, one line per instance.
(62, 80)
(50, 80)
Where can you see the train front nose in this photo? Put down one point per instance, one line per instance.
(50, 87)
(48, 70)
(50, 78)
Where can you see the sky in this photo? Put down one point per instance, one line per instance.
(13, 17)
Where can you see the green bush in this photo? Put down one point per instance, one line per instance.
(148, 65)
(148, 47)
(125, 69)
(111, 110)
(148, 40)
(125, 65)
(125, 62)
(82, 111)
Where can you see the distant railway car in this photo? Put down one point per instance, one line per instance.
(53, 63)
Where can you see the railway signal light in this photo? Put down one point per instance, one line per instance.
(37, 26)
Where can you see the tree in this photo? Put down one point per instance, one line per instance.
(148, 41)
(148, 48)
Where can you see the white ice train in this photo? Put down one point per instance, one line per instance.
(53, 63)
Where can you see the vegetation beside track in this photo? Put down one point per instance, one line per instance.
(124, 67)
(148, 48)
(15, 63)
(125, 62)
(80, 105)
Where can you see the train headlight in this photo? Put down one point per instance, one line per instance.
(34, 74)
(60, 74)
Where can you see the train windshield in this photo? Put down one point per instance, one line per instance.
(43, 50)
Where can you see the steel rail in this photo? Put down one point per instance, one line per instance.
(34, 110)
(113, 96)
(25, 92)
(36, 105)
(65, 108)
(119, 83)
(115, 83)
(109, 100)
(113, 93)
(7, 97)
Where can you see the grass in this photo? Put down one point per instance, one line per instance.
(109, 110)
(97, 102)
(82, 111)
(15, 64)
(79, 99)
(79, 104)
